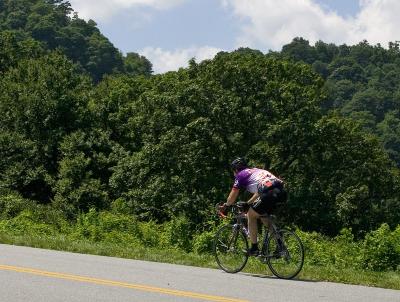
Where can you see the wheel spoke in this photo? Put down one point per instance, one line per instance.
(229, 246)
(286, 259)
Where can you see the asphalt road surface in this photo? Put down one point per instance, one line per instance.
(33, 275)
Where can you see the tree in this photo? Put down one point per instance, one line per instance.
(103, 58)
(326, 52)
(15, 46)
(43, 100)
(84, 171)
(369, 100)
(339, 177)
(50, 23)
(300, 50)
(21, 167)
(187, 125)
(389, 130)
(135, 64)
(184, 133)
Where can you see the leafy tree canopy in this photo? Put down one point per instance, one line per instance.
(56, 26)
(362, 81)
(318, 116)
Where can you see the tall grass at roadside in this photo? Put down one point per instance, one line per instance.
(372, 261)
(310, 272)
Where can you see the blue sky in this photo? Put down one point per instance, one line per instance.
(170, 32)
(343, 7)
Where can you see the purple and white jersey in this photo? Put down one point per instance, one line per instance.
(250, 179)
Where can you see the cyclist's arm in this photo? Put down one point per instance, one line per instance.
(253, 198)
(233, 195)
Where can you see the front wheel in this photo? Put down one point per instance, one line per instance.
(230, 248)
(285, 254)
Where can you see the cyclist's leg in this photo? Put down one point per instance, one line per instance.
(267, 222)
(265, 208)
(252, 217)
(258, 208)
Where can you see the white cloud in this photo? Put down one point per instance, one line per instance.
(104, 9)
(378, 21)
(271, 23)
(264, 24)
(164, 60)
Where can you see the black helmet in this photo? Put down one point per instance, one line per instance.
(239, 164)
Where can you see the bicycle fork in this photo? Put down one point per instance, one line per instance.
(233, 240)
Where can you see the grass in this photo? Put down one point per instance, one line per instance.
(389, 280)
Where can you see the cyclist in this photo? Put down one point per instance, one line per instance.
(267, 190)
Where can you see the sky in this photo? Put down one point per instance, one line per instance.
(171, 32)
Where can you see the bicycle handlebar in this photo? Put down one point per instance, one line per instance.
(237, 208)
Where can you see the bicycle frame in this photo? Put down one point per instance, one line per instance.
(233, 240)
(239, 225)
(270, 230)
(281, 250)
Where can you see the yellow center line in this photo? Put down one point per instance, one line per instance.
(119, 284)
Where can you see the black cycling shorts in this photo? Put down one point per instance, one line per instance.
(269, 198)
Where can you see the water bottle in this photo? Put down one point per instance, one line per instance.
(246, 231)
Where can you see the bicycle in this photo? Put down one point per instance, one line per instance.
(282, 250)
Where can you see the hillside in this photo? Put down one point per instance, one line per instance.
(361, 82)
(83, 127)
(55, 25)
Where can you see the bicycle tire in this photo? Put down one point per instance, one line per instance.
(286, 262)
(230, 249)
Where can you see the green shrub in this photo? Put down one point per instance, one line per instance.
(203, 243)
(87, 226)
(178, 233)
(346, 251)
(380, 249)
(396, 243)
(118, 228)
(121, 238)
(318, 248)
(150, 234)
(51, 216)
(25, 216)
(98, 226)
(26, 223)
(120, 206)
(12, 203)
(109, 222)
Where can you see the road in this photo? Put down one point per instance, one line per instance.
(33, 275)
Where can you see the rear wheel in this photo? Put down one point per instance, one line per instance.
(230, 249)
(285, 254)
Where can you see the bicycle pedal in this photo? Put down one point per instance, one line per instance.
(262, 258)
(253, 253)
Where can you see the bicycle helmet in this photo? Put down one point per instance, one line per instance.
(239, 164)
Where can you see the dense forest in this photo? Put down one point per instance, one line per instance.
(361, 82)
(86, 127)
